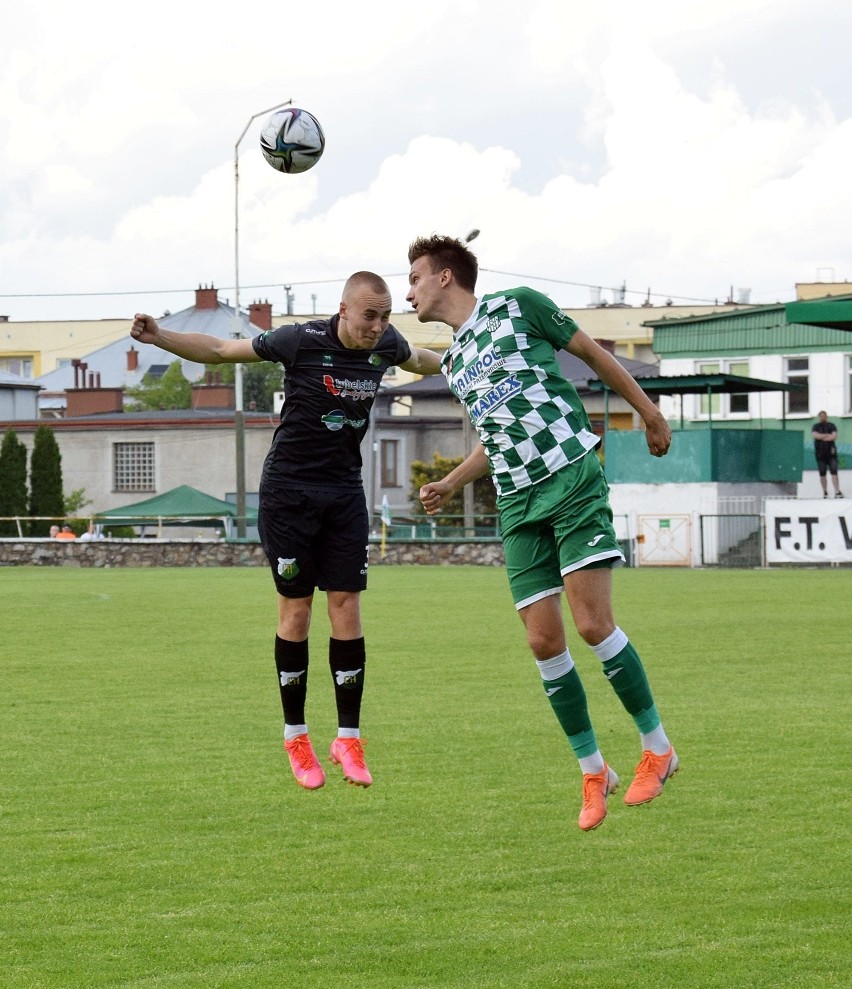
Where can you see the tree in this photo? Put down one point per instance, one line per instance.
(45, 481)
(484, 493)
(261, 380)
(171, 391)
(13, 481)
(74, 504)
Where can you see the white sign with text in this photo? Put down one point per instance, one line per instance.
(808, 530)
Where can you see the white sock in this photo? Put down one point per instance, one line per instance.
(593, 763)
(348, 732)
(556, 667)
(657, 741)
(611, 645)
(293, 731)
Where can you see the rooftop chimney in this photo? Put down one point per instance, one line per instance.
(260, 315)
(132, 359)
(80, 368)
(213, 394)
(206, 298)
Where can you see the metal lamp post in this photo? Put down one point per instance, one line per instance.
(239, 417)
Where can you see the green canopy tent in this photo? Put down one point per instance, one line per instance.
(182, 506)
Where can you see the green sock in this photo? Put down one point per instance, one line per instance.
(627, 677)
(568, 700)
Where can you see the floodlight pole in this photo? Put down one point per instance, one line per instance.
(237, 333)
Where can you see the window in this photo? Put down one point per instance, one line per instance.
(389, 463)
(796, 369)
(722, 406)
(738, 404)
(133, 467)
(22, 366)
(849, 383)
(710, 404)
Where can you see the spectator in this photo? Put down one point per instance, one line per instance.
(91, 533)
(825, 451)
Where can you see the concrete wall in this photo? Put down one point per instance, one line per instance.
(210, 553)
(202, 457)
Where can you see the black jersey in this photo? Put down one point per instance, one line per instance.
(329, 391)
(822, 449)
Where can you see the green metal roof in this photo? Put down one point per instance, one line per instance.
(832, 313)
(703, 384)
(756, 330)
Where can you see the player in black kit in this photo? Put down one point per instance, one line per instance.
(825, 452)
(313, 518)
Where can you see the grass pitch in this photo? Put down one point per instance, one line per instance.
(152, 837)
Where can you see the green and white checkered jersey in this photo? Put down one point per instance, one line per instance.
(502, 365)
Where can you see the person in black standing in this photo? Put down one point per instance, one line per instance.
(825, 451)
(313, 519)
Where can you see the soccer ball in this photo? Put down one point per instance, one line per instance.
(292, 140)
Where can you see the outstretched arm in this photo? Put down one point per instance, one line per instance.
(422, 361)
(658, 435)
(436, 494)
(199, 347)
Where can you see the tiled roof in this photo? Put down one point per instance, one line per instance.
(110, 362)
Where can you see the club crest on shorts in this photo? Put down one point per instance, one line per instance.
(287, 568)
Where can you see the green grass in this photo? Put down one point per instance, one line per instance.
(151, 836)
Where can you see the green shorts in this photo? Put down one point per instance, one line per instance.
(559, 525)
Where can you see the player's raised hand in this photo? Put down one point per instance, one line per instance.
(144, 328)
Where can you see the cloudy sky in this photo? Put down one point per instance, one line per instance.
(681, 149)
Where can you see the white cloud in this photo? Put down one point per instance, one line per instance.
(566, 133)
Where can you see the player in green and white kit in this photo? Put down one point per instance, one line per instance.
(553, 500)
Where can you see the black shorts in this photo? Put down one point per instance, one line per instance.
(827, 465)
(314, 538)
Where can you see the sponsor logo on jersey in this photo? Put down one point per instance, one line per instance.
(347, 678)
(293, 679)
(360, 390)
(494, 398)
(287, 568)
(313, 329)
(337, 420)
(479, 369)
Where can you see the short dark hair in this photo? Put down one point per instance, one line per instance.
(447, 252)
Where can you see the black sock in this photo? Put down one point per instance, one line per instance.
(291, 661)
(347, 658)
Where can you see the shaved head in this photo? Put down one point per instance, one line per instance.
(364, 280)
